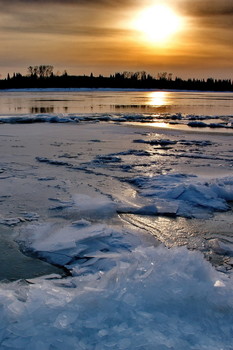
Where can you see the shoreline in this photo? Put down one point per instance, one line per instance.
(111, 89)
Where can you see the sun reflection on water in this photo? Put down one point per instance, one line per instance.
(160, 124)
(157, 98)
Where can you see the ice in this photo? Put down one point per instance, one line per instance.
(219, 247)
(199, 121)
(65, 319)
(134, 152)
(48, 178)
(31, 216)
(200, 124)
(140, 297)
(81, 243)
(121, 290)
(186, 195)
(83, 208)
(197, 124)
(97, 207)
(152, 298)
(52, 161)
(107, 159)
(80, 223)
(160, 142)
(9, 221)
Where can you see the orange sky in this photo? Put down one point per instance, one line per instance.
(84, 36)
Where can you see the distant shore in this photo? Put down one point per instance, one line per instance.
(80, 89)
(136, 81)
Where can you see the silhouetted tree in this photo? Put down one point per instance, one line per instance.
(30, 70)
(140, 75)
(42, 76)
(162, 75)
(33, 71)
(169, 76)
(43, 71)
(128, 75)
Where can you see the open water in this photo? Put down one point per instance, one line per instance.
(113, 101)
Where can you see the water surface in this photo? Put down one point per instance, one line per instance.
(115, 101)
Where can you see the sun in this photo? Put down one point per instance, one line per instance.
(158, 24)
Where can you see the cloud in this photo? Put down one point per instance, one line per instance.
(193, 7)
(212, 21)
(208, 8)
(82, 31)
(93, 32)
(70, 17)
(87, 3)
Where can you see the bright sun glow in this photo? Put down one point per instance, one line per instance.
(158, 23)
(157, 98)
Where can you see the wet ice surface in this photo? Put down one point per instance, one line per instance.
(136, 215)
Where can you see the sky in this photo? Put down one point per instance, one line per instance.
(108, 36)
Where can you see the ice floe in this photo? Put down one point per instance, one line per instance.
(186, 195)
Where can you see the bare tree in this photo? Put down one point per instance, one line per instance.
(128, 75)
(162, 75)
(33, 71)
(170, 76)
(140, 75)
(42, 71)
(45, 71)
(30, 70)
(36, 71)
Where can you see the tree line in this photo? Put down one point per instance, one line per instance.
(43, 77)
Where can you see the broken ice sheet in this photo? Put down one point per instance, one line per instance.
(186, 195)
(167, 295)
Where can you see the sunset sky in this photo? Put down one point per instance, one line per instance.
(108, 36)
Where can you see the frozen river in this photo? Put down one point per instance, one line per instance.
(116, 220)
